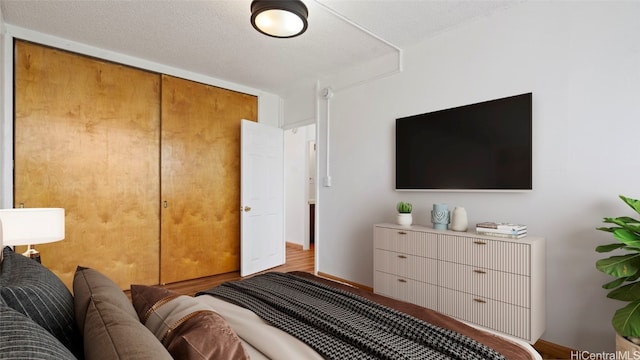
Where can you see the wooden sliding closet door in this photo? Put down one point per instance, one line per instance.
(87, 139)
(200, 231)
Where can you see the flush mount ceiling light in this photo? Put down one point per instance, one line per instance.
(279, 18)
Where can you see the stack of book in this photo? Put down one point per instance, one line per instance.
(505, 230)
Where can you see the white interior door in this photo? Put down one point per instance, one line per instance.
(262, 198)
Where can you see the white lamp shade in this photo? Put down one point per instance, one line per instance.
(30, 226)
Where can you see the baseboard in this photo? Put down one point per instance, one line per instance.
(550, 351)
(335, 278)
(295, 246)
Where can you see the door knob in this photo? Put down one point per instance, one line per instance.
(246, 209)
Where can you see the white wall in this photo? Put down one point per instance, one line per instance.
(294, 170)
(581, 60)
(298, 192)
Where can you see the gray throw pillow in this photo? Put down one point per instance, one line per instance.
(35, 291)
(22, 338)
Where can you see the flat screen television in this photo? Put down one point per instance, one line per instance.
(476, 147)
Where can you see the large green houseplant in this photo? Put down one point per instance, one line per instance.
(625, 269)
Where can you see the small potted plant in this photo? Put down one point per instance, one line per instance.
(404, 213)
(625, 268)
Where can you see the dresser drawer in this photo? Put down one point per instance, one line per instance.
(508, 256)
(406, 241)
(509, 319)
(405, 289)
(486, 283)
(406, 266)
(493, 282)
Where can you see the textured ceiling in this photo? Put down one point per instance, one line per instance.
(215, 38)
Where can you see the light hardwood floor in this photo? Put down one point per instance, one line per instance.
(297, 260)
(300, 260)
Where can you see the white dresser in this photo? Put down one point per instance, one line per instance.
(496, 283)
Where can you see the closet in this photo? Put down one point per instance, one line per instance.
(200, 175)
(146, 166)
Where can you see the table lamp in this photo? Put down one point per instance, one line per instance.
(31, 226)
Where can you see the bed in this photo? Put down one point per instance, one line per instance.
(41, 319)
(298, 315)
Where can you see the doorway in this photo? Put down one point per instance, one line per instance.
(300, 185)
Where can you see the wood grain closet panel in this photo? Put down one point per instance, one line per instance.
(200, 225)
(87, 139)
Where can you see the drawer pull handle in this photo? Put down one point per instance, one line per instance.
(479, 271)
(402, 256)
(402, 233)
(480, 243)
(479, 301)
(402, 280)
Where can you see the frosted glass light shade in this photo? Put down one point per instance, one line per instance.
(279, 18)
(30, 226)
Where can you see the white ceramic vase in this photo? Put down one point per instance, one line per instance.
(459, 219)
(626, 348)
(405, 219)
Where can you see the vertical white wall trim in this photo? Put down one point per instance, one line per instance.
(316, 245)
(327, 94)
(6, 119)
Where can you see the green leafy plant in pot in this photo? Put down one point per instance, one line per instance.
(404, 213)
(625, 269)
